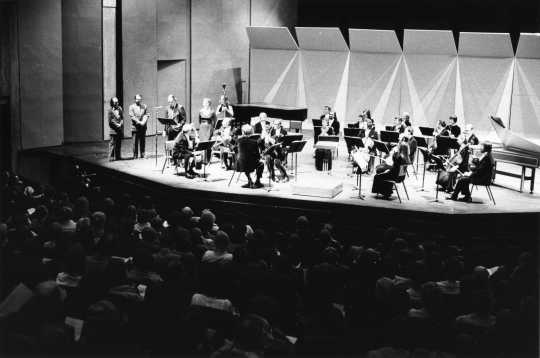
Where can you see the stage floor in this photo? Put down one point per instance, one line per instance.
(508, 198)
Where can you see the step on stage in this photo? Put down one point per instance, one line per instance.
(332, 196)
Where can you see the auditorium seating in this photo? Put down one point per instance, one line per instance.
(131, 280)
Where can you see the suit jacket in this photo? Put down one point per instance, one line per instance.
(257, 128)
(116, 125)
(455, 131)
(335, 125)
(248, 154)
(484, 171)
(137, 113)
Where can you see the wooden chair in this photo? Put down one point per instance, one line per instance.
(487, 185)
(169, 146)
(400, 179)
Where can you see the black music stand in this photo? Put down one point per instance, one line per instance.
(316, 122)
(426, 156)
(359, 182)
(381, 147)
(427, 131)
(389, 137)
(354, 132)
(390, 128)
(286, 140)
(295, 148)
(421, 142)
(256, 136)
(352, 142)
(204, 147)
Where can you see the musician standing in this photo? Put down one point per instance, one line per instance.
(116, 132)
(258, 127)
(177, 113)
(224, 109)
(138, 112)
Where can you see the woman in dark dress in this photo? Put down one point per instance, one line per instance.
(390, 170)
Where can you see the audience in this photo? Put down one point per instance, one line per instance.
(116, 275)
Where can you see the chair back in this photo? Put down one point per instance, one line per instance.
(402, 173)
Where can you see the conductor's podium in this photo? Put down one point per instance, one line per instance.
(324, 187)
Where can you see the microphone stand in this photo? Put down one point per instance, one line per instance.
(155, 131)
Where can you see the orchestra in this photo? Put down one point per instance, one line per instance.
(258, 146)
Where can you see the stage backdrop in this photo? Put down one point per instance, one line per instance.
(525, 110)
(40, 56)
(374, 80)
(484, 87)
(324, 64)
(428, 85)
(274, 66)
(83, 70)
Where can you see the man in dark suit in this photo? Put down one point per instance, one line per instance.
(455, 131)
(258, 127)
(183, 150)
(481, 174)
(249, 157)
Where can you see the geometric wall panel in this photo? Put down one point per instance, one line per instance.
(428, 86)
(485, 80)
(324, 59)
(374, 80)
(274, 66)
(525, 109)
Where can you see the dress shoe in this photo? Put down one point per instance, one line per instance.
(466, 199)
(247, 186)
(258, 185)
(451, 198)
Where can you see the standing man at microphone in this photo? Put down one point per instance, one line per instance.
(138, 112)
(116, 132)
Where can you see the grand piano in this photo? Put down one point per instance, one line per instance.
(518, 151)
(295, 115)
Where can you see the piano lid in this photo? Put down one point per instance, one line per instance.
(512, 141)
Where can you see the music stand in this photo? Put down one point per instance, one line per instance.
(352, 132)
(316, 122)
(286, 140)
(203, 147)
(358, 181)
(427, 131)
(353, 142)
(255, 136)
(381, 146)
(445, 143)
(389, 137)
(390, 128)
(296, 147)
(421, 141)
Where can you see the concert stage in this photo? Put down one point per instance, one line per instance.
(513, 214)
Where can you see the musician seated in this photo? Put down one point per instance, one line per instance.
(472, 139)
(389, 170)
(275, 155)
(258, 126)
(249, 158)
(453, 128)
(332, 119)
(184, 144)
(481, 173)
(406, 119)
(326, 129)
(225, 143)
(457, 164)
